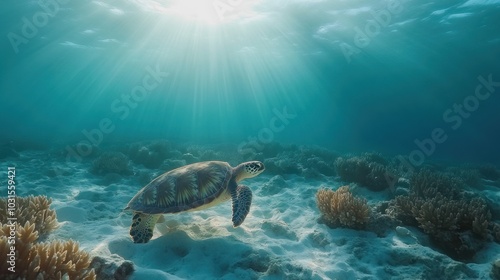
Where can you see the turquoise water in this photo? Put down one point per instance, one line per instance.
(347, 75)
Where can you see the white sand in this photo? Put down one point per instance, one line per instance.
(280, 239)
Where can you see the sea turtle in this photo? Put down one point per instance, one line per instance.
(192, 187)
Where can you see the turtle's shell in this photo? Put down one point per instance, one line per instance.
(184, 188)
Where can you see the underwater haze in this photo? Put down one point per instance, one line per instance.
(347, 75)
(250, 139)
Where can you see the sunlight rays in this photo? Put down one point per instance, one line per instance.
(207, 12)
(226, 77)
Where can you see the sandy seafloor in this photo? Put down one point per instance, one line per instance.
(280, 239)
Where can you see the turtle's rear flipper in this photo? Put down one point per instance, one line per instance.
(242, 199)
(142, 227)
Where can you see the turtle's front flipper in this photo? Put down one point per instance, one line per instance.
(142, 227)
(242, 199)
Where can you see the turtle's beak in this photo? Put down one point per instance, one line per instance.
(261, 166)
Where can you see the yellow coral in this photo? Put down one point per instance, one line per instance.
(53, 260)
(342, 208)
(35, 209)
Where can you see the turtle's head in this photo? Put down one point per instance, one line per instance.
(248, 170)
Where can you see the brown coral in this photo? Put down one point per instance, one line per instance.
(342, 208)
(495, 230)
(441, 213)
(457, 224)
(438, 214)
(427, 184)
(54, 260)
(495, 270)
(35, 209)
(369, 170)
(111, 162)
(431, 210)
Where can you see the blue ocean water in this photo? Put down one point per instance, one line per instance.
(393, 76)
(98, 98)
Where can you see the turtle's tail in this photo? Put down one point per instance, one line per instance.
(142, 227)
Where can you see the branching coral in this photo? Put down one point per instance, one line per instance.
(457, 224)
(32, 208)
(402, 208)
(53, 260)
(476, 212)
(495, 229)
(437, 214)
(342, 208)
(441, 213)
(111, 162)
(428, 184)
(31, 260)
(495, 270)
(369, 170)
(467, 174)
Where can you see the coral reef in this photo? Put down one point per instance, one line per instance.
(340, 207)
(456, 224)
(428, 184)
(369, 170)
(111, 162)
(265, 265)
(151, 155)
(170, 164)
(380, 222)
(304, 161)
(495, 270)
(495, 230)
(489, 172)
(35, 209)
(260, 152)
(54, 260)
(435, 267)
(32, 260)
(112, 267)
(160, 154)
(442, 214)
(310, 162)
(468, 175)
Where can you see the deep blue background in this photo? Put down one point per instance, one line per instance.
(225, 79)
